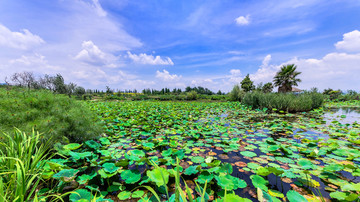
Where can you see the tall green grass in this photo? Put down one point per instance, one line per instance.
(21, 161)
(57, 116)
(285, 102)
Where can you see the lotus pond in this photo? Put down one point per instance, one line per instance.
(226, 147)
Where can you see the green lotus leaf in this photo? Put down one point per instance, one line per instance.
(131, 176)
(235, 198)
(83, 179)
(159, 175)
(275, 193)
(124, 195)
(82, 155)
(167, 152)
(105, 141)
(135, 155)
(80, 195)
(92, 144)
(148, 145)
(110, 167)
(334, 167)
(197, 159)
(248, 154)
(137, 194)
(305, 164)
(350, 187)
(191, 170)
(122, 163)
(229, 182)
(294, 196)
(66, 175)
(105, 174)
(72, 146)
(260, 182)
(205, 176)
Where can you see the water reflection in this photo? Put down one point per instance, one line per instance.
(342, 115)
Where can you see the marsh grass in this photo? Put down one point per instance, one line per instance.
(284, 101)
(57, 116)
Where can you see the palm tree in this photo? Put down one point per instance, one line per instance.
(286, 78)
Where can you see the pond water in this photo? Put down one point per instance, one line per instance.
(342, 115)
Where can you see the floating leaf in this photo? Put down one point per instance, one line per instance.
(80, 195)
(159, 175)
(124, 195)
(191, 170)
(260, 182)
(294, 196)
(248, 154)
(131, 176)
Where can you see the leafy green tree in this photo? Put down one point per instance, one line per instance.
(267, 88)
(79, 91)
(286, 78)
(246, 84)
(59, 85)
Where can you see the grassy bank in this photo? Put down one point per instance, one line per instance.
(57, 116)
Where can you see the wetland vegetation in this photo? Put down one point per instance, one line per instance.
(267, 147)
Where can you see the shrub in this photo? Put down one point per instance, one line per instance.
(285, 102)
(192, 95)
(57, 116)
(236, 94)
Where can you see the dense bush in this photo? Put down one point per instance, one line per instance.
(57, 116)
(192, 95)
(285, 102)
(236, 94)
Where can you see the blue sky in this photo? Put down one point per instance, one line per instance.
(159, 43)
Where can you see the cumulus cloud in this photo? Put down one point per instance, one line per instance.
(235, 76)
(337, 70)
(92, 54)
(27, 63)
(166, 76)
(243, 20)
(19, 40)
(203, 82)
(350, 42)
(266, 72)
(145, 59)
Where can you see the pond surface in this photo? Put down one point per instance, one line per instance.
(342, 115)
(225, 143)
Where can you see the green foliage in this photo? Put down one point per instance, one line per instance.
(22, 158)
(57, 116)
(192, 95)
(286, 78)
(246, 84)
(284, 102)
(267, 88)
(236, 94)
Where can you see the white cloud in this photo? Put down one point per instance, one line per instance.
(334, 70)
(166, 76)
(91, 54)
(235, 76)
(243, 20)
(266, 72)
(27, 63)
(203, 82)
(99, 10)
(350, 42)
(20, 40)
(145, 59)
